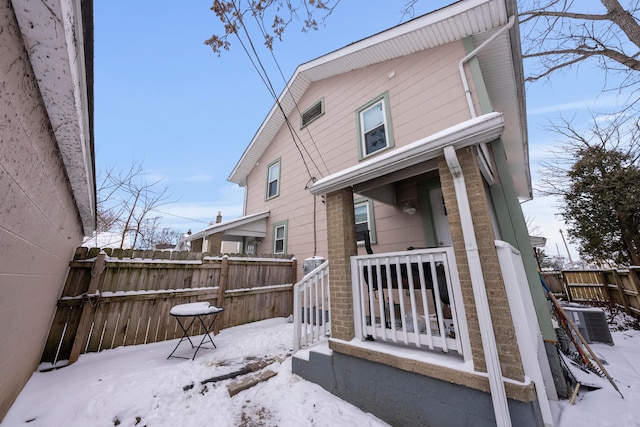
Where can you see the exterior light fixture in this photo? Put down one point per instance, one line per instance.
(409, 208)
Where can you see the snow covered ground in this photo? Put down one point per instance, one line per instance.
(138, 386)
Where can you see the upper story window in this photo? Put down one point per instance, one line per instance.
(374, 127)
(312, 113)
(280, 237)
(273, 179)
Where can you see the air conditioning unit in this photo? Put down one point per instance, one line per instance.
(591, 322)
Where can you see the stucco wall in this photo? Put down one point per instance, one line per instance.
(425, 95)
(39, 223)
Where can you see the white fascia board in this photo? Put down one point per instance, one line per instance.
(53, 36)
(485, 128)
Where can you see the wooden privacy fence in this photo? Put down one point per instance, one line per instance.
(123, 297)
(609, 286)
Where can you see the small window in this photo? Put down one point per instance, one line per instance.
(363, 209)
(312, 113)
(280, 237)
(273, 179)
(374, 127)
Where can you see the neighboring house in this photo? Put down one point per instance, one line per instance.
(416, 136)
(46, 171)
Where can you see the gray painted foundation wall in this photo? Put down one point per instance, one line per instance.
(404, 398)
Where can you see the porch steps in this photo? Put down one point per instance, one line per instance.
(315, 364)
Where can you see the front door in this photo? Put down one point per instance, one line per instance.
(436, 223)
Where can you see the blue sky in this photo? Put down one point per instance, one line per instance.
(162, 97)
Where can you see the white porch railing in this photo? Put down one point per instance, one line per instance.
(311, 305)
(395, 300)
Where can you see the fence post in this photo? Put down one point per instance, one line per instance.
(222, 287)
(85, 318)
(605, 287)
(623, 296)
(294, 271)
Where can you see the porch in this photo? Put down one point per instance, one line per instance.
(411, 335)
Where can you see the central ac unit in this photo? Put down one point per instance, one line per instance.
(591, 322)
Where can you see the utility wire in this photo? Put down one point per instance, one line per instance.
(284, 80)
(265, 78)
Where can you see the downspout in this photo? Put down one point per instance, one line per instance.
(473, 53)
(496, 385)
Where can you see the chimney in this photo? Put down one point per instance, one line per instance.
(219, 218)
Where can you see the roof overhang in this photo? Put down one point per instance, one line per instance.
(58, 36)
(478, 19)
(482, 129)
(246, 226)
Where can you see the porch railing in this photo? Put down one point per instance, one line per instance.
(407, 298)
(311, 305)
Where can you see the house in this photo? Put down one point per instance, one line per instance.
(402, 159)
(46, 171)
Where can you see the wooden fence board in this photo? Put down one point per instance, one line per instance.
(135, 296)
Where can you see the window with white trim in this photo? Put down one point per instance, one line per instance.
(273, 179)
(374, 127)
(280, 237)
(363, 210)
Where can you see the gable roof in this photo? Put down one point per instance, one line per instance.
(247, 226)
(478, 19)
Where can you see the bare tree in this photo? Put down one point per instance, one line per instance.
(595, 174)
(126, 202)
(271, 16)
(559, 34)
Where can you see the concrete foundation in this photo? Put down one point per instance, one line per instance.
(404, 398)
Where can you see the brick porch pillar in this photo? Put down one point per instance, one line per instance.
(506, 342)
(215, 244)
(341, 237)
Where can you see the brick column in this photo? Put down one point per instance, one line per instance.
(507, 345)
(341, 237)
(215, 244)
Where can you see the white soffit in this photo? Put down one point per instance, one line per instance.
(485, 128)
(451, 23)
(53, 36)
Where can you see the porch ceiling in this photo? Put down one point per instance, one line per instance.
(246, 226)
(482, 129)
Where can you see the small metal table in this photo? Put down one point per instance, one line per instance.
(195, 311)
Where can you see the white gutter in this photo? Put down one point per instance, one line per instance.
(471, 132)
(496, 385)
(473, 53)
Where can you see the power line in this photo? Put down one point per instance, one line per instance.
(284, 80)
(182, 217)
(265, 79)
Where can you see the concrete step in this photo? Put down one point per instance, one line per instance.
(249, 381)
